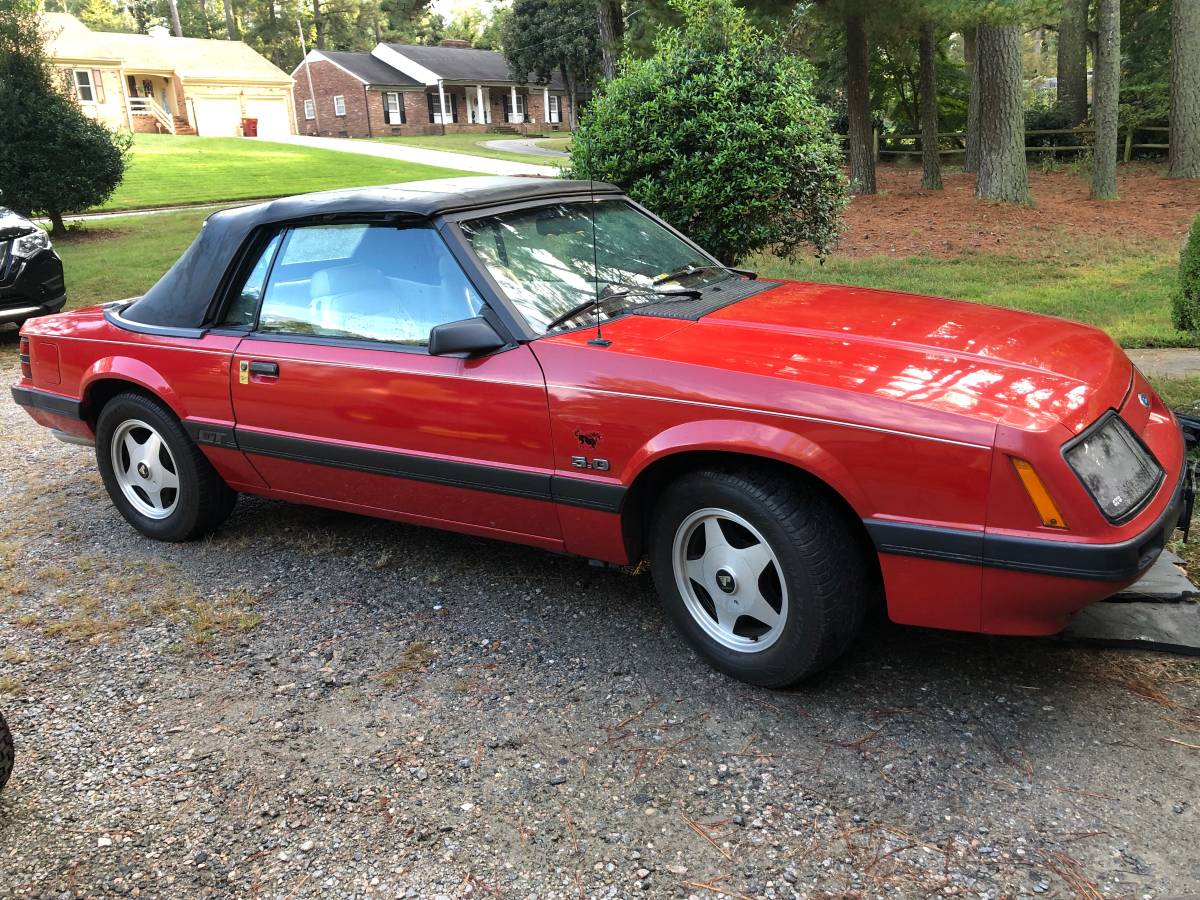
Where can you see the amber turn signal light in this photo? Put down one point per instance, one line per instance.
(1038, 495)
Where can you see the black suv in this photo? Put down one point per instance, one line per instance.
(31, 274)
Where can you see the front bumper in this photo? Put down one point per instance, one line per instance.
(1125, 561)
(31, 288)
(15, 315)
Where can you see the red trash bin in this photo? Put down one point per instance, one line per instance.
(249, 127)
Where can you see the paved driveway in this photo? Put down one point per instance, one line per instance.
(480, 164)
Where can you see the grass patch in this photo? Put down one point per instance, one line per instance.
(472, 145)
(1178, 393)
(414, 660)
(117, 258)
(10, 685)
(165, 170)
(556, 143)
(1124, 290)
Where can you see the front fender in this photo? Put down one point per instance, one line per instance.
(750, 438)
(135, 372)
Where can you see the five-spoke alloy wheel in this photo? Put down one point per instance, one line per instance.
(145, 469)
(156, 476)
(730, 580)
(761, 570)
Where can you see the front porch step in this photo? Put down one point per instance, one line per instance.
(182, 126)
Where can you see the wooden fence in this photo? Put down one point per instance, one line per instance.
(910, 144)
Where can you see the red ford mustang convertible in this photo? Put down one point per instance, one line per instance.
(546, 362)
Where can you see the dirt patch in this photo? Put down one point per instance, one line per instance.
(904, 220)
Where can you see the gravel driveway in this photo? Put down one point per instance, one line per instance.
(316, 704)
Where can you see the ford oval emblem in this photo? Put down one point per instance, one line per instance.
(1144, 399)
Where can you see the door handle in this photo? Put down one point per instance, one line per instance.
(269, 369)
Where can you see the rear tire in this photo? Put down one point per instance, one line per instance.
(156, 476)
(7, 753)
(762, 573)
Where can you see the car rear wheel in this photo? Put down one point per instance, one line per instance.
(7, 753)
(156, 476)
(764, 574)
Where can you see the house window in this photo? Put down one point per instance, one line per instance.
(393, 108)
(310, 110)
(555, 113)
(435, 109)
(83, 86)
(339, 105)
(509, 115)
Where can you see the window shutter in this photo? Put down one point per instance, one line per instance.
(430, 99)
(387, 113)
(453, 107)
(97, 86)
(507, 106)
(403, 115)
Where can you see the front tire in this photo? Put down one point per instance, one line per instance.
(762, 573)
(156, 476)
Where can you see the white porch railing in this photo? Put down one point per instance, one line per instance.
(148, 106)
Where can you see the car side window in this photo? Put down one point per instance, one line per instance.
(244, 307)
(365, 282)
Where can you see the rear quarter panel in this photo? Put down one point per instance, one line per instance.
(190, 375)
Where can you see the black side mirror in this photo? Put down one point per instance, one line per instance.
(472, 337)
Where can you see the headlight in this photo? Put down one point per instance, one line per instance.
(1115, 467)
(28, 244)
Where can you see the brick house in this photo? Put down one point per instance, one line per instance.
(160, 83)
(406, 89)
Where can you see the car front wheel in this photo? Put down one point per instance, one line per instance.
(762, 573)
(156, 476)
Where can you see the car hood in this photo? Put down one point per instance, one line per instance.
(937, 366)
(1001, 365)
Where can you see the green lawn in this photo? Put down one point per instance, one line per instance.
(472, 144)
(556, 143)
(1124, 290)
(165, 170)
(112, 259)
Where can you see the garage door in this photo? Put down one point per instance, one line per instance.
(274, 119)
(217, 116)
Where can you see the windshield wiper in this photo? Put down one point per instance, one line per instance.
(575, 311)
(607, 294)
(691, 270)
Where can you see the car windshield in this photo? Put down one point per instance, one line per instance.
(544, 260)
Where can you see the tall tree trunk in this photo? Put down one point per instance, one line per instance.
(569, 83)
(858, 102)
(1185, 89)
(176, 26)
(231, 28)
(931, 160)
(1072, 60)
(1105, 96)
(204, 15)
(57, 228)
(319, 25)
(1002, 171)
(611, 18)
(971, 58)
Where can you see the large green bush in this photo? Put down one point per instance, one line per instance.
(53, 158)
(1186, 303)
(719, 133)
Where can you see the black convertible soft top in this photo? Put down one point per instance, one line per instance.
(183, 297)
